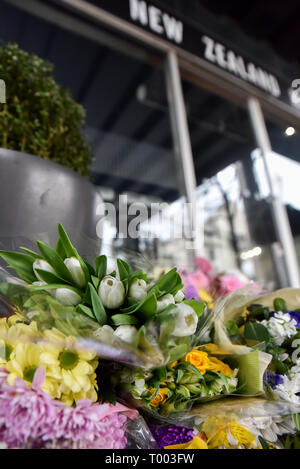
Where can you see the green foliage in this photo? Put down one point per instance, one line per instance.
(40, 117)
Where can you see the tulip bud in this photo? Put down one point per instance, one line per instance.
(111, 292)
(165, 301)
(186, 320)
(75, 269)
(42, 265)
(179, 297)
(67, 296)
(105, 334)
(126, 333)
(138, 289)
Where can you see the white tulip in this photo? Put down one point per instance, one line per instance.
(42, 265)
(111, 292)
(165, 301)
(67, 296)
(179, 297)
(186, 320)
(75, 269)
(126, 333)
(105, 334)
(138, 289)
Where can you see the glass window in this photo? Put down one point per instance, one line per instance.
(285, 164)
(235, 237)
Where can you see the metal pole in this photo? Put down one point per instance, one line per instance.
(279, 212)
(183, 150)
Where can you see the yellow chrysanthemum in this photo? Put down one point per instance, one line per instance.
(73, 367)
(223, 432)
(70, 372)
(12, 332)
(23, 363)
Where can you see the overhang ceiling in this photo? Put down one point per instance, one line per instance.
(127, 115)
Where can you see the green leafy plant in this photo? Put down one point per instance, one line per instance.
(39, 117)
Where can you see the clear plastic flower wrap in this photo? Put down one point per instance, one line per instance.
(169, 393)
(118, 314)
(268, 324)
(233, 423)
(205, 374)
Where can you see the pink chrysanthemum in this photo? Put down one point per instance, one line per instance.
(30, 418)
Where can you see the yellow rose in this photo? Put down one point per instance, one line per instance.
(198, 359)
(160, 398)
(172, 365)
(217, 365)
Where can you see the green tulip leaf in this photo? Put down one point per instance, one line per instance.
(71, 251)
(98, 308)
(124, 269)
(123, 319)
(60, 249)
(96, 281)
(49, 277)
(101, 266)
(21, 263)
(55, 286)
(55, 261)
(85, 310)
(31, 253)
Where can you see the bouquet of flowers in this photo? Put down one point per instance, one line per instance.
(268, 325)
(60, 316)
(84, 347)
(196, 377)
(119, 309)
(205, 284)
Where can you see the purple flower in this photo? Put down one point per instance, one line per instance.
(30, 418)
(272, 379)
(191, 293)
(296, 316)
(171, 434)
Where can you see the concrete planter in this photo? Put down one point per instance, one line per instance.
(36, 194)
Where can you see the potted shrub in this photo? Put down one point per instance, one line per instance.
(42, 147)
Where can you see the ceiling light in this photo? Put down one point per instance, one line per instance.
(256, 251)
(289, 131)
